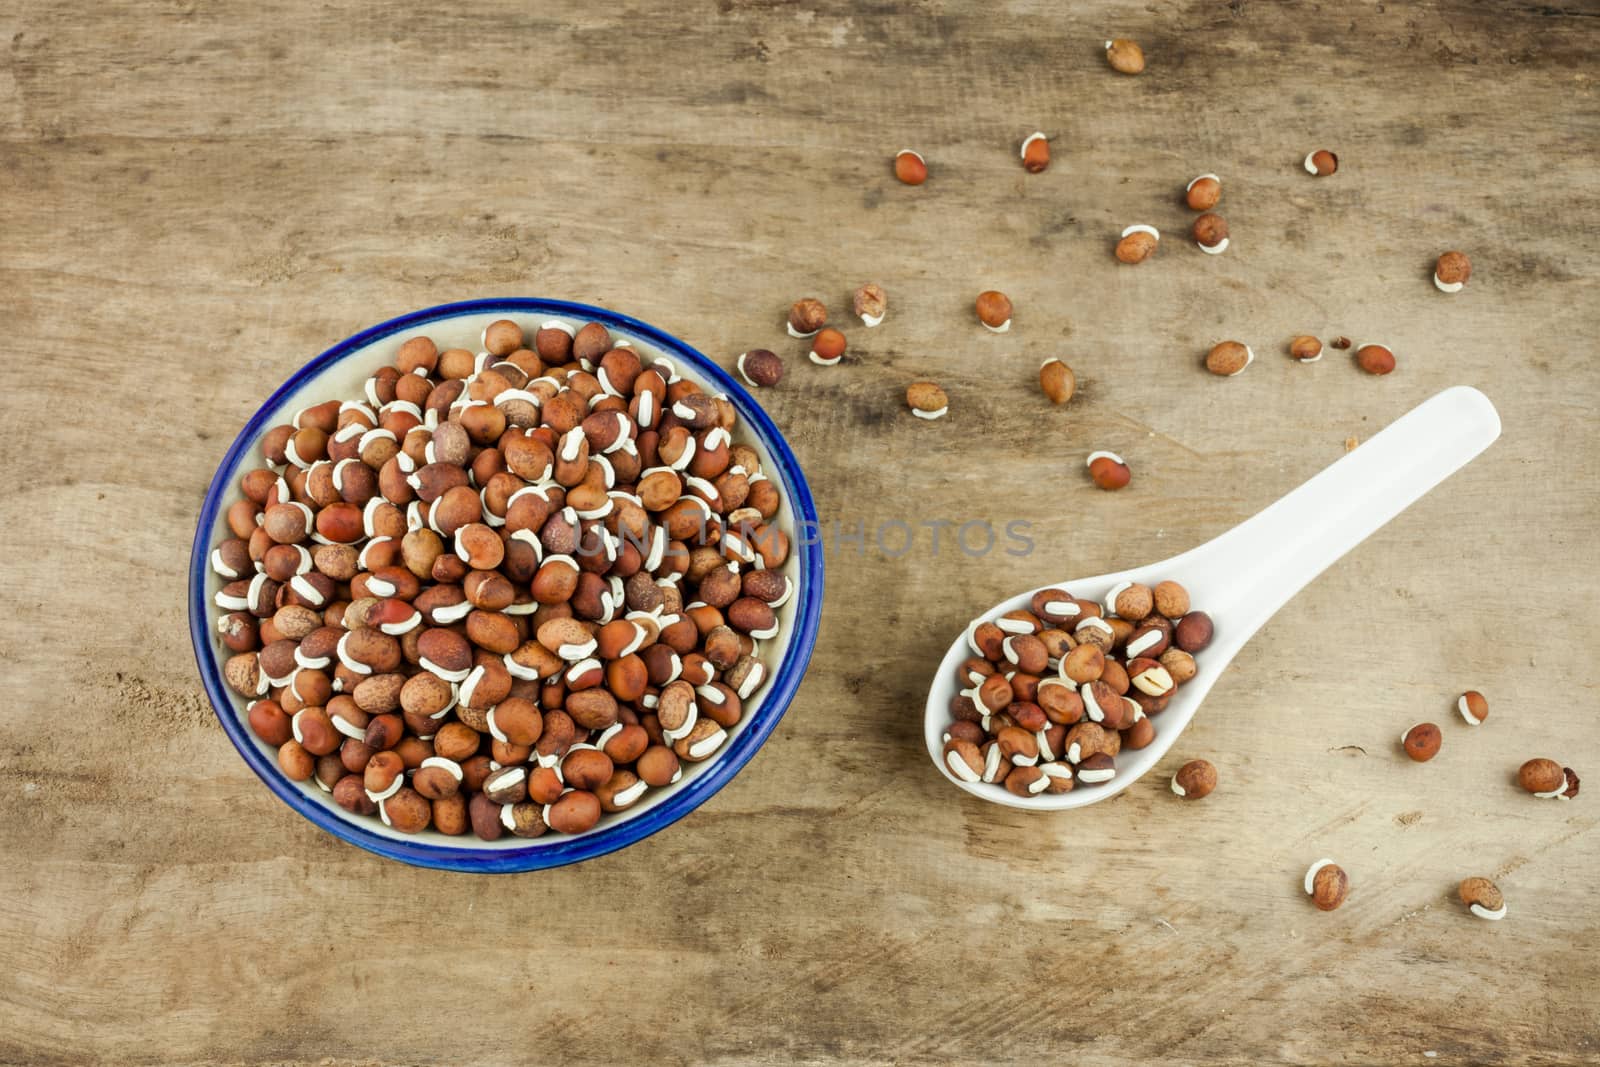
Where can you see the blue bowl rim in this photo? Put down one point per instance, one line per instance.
(556, 851)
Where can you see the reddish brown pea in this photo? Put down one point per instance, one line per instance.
(1375, 359)
(1193, 632)
(1125, 56)
(502, 337)
(1194, 779)
(1422, 741)
(657, 766)
(1542, 777)
(1321, 163)
(1327, 885)
(827, 348)
(910, 167)
(806, 316)
(1138, 243)
(1139, 735)
(349, 795)
(485, 817)
(1211, 233)
(407, 811)
(1057, 381)
(269, 722)
(1108, 470)
(870, 304)
(1483, 898)
(1305, 348)
(1450, 274)
(1229, 358)
(1035, 153)
(760, 367)
(574, 812)
(1203, 192)
(927, 400)
(994, 311)
(296, 763)
(1171, 599)
(450, 815)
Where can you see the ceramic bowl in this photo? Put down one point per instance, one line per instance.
(340, 372)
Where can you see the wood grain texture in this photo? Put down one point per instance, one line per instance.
(198, 197)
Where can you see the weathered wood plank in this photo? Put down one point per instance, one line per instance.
(197, 198)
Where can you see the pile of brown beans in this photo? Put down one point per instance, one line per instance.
(1053, 693)
(505, 591)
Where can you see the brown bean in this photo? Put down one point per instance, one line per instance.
(484, 815)
(593, 709)
(450, 815)
(382, 770)
(657, 765)
(350, 795)
(544, 785)
(296, 763)
(437, 780)
(575, 812)
(586, 768)
(384, 731)
(407, 811)
(456, 741)
(269, 722)
(627, 744)
(493, 632)
(315, 731)
(519, 721)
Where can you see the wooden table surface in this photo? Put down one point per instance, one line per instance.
(198, 197)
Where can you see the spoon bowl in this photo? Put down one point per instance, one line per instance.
(1242, 577)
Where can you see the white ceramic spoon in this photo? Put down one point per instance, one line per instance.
(1244, 576)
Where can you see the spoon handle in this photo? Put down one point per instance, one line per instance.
(1248, 573)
